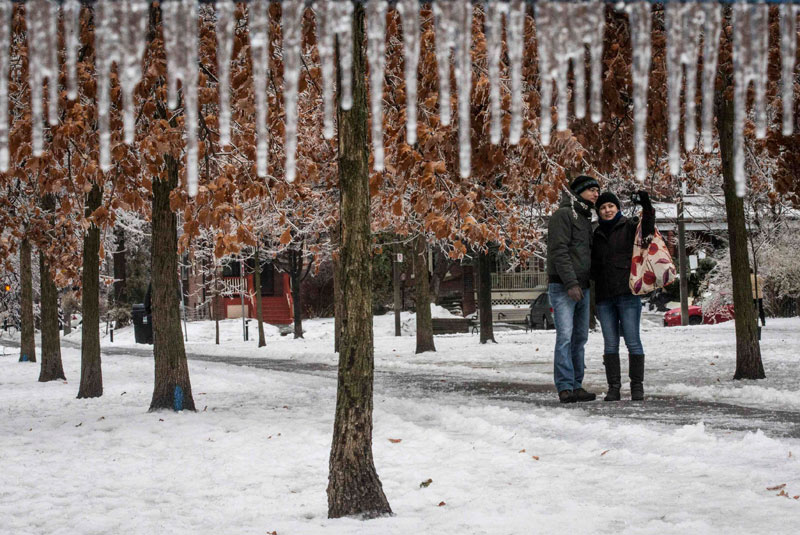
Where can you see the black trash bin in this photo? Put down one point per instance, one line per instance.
(142, 324)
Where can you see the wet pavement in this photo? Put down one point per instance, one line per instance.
(666, 410)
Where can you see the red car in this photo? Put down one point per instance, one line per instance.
(672, 317)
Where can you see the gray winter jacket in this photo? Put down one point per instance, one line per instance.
(569, 244)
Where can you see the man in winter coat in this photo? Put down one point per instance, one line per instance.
(569, 256)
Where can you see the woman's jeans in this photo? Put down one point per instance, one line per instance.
(620, 313)
(572, 331)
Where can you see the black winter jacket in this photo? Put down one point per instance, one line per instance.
(612, 254)
(569, 244)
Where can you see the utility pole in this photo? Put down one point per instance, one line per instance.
(397, 259)
(684, 277)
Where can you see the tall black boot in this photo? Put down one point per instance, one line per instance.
(611, 362)
(636, 373)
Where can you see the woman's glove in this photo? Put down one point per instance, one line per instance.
(644, 199)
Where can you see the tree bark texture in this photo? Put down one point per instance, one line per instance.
(422, 296)
(262, 340)
(51, 369)
(120, 268)
(296, 275)
(396, 288)
(748, 350)
(27, 346)
(337, 302)
(353, 484)
(485, 296)
(172, 388)
(91, 372)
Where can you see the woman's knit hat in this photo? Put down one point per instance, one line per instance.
(606, 197)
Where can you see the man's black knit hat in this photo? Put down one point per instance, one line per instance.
(605, 197)
(582, 183)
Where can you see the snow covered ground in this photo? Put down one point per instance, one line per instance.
(254, 458)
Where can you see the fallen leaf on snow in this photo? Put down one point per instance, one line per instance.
(441, 504)
(522, 451)
(395, 440)
(777, 487)
(535, 457)
(425, 483)
(604, 453)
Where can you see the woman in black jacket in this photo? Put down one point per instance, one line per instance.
(618, 310)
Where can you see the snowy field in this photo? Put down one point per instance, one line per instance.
(254, 458)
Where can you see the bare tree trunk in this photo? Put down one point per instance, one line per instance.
(485, 296)
(120, 269)
(27, 346)
(91, 371)
(51, 369)
(338, 299)
(422, 297)
(296, 274)
(353, 484)
(262, 341)
(748, 350)
(172, 388)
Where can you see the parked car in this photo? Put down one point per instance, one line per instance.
(672, 317)
(541, 313)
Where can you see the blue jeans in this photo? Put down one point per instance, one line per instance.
(620, 313)
(572, 331)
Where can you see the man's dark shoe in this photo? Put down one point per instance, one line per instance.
(582, 395)
(566, 396)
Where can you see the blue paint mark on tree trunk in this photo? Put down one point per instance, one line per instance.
(23, 358)
(177, 400)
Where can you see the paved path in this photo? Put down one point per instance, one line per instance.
(666, 410)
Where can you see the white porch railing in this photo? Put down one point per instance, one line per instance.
(518, 281)
(234, 286)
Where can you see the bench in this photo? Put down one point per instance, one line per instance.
(450, 325)
(510, 317)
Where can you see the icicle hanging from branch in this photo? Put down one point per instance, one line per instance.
(750, 54)
(120, 37)
(41, 19)
(342, 16)
(641, 22)
(445, 22)
(463, 72)
(376, 50)
(683, 23)
(180, 32)
(515, 38)
(6, 9)
(563, 30)
(494, 49)
(712, 28)
(292, 20)
(72, 32)
(259, 53)
(334, 20)
(224, 27)
(409, 13)
(788, 56)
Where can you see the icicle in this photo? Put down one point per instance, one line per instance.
(515, 38)
(259, 51)
(225, 26)
(292, 20)
(41, 18)
(6, 9)
(788, 54)
(409, 12)
(72, 31)
(494, 48)
(325, 49)
(180, 30)
(641, 22)
(683, 23)
(445, 22)
(563, 31)
(711, 32)
(750, 52)
(463, 72)
(376, 50)
(342, 16)
(120, 37)
(133, 42)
